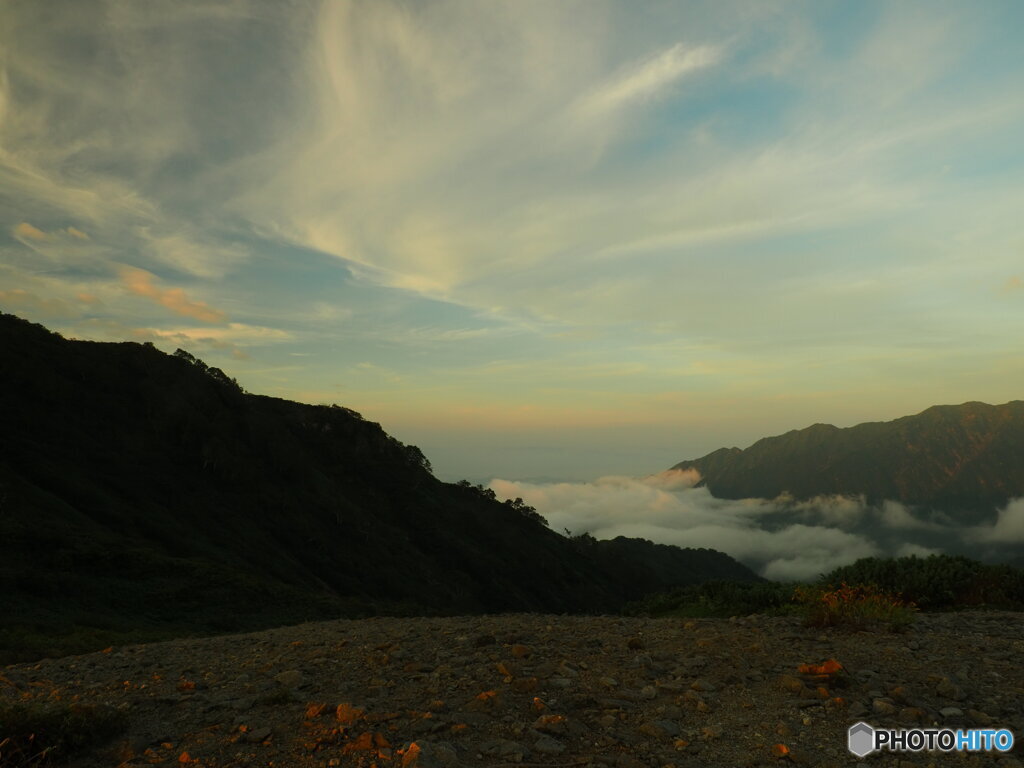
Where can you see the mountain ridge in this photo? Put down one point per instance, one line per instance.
(950, 457)
(140, 490)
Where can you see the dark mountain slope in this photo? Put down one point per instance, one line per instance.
(966, 457)
(143, 490)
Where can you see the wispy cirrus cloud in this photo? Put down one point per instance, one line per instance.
(649, 78)
(519, 203)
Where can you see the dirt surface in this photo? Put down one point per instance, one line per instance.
(545, 691)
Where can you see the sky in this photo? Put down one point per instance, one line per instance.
(543, 241)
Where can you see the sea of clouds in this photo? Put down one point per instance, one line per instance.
(781, 539)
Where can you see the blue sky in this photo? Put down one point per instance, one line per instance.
(537, 239)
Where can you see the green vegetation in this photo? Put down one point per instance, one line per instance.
(718, 599)
(33, 735)
(870, 592)
(939, 582)
(856, 607)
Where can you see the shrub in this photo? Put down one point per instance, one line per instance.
(857, 607)
(716, 599)
(34, 734)
(939, 582)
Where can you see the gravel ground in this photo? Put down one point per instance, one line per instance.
(533, 690)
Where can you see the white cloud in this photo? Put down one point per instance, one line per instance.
(232, 332)
(649, 78)
(665, 508)
(781, 539)
(190, 255)
(1008, 527)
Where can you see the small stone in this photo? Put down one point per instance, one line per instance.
(653, 730)
(977, 717)
(914, 715)
(550, 723)
(883, 707)
(949, 712)
(669, 727)
(649, 692)
(527, 684)
(857, 709)
(511, 751)
(899, 695)
(520, 651)
(608, 682)
(949, 690)
(794, 685)
(548, 746)
(258, 735)
(568, 670)
(293, 678)
(704, 685)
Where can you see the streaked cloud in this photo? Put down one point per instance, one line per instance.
(142, 283)
(650, 77)
(26, 230)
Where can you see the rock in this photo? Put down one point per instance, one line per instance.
(899, 695)
(949, 712)
(293, 678)
(977, 717)
(550, 723)
(794, 685)
(434, 755)
(703, 685)
(568, 670)
(258, 735)
(520, 651)
(660, 729)
(883, 707)
(950, 690)
(914, 715)
(857, 710)
(512, 751)
(548, 746)
(642, 661)
(649, 692)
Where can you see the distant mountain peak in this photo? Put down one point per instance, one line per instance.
(967, 456)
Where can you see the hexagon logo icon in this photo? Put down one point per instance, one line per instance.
(860, 739)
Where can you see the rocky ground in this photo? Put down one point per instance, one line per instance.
(527, 690)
